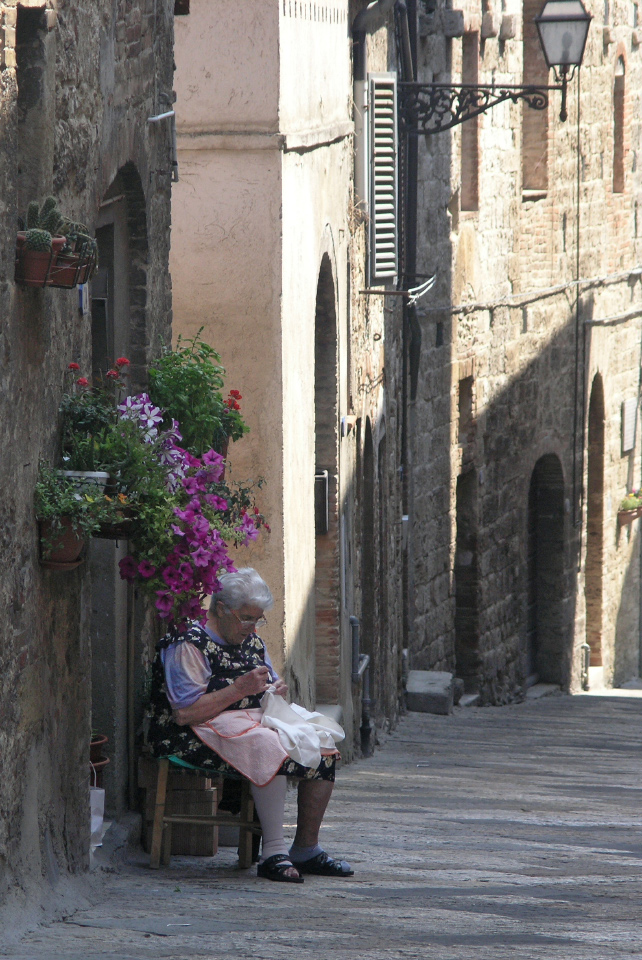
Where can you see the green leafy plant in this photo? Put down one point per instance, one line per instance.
(632, 501)
(187, 383)
(59, 499)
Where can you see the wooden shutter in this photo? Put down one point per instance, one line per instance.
(383, 176)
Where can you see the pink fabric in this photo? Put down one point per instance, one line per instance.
(238, 737)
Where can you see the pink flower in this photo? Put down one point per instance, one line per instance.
(122, 362)
(164, 603)
(112, 374)
(82, 382)
(128, 568)
(217, 502)
(73, 366)
(177, 531)
(201, 557)
(193, 485)
(212, 458)
(146, 569)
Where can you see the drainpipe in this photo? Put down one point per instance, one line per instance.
(361, 670)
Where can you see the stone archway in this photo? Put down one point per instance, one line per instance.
(593, 577)
(547, 650)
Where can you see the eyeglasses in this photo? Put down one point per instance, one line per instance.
(248, 621)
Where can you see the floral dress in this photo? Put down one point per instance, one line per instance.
(227, 662)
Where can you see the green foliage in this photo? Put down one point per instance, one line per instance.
(37, 239)
(88, 419)
(186, 383)
(632, 501)
(57, 496)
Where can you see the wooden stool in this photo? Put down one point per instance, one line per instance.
(162, 831)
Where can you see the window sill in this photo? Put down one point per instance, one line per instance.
(530, 195)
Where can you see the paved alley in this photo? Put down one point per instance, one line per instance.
(509, 832)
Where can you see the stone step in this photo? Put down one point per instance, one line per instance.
(429, 691)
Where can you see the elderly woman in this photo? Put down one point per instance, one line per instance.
(207, 686)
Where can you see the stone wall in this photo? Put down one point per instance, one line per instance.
(510, 359)
(79, 80)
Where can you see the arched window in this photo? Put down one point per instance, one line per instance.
(534, 122)
(618, 127)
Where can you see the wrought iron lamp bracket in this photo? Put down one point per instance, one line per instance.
(433, 107)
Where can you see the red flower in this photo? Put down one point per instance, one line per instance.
(236, 395)
(73, 366)
(122, 362)
(256, 510)
(112, 374)
(82, 382)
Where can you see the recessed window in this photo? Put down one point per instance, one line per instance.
(618, 128)
(181, 8)
(470, 129)
(534, 122)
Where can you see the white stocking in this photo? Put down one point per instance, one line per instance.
(270, 803)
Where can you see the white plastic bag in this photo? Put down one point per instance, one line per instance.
(97, 807)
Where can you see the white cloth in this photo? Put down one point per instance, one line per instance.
(304, 736)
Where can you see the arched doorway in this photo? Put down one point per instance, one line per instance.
(467, 583)
(547, 630)
(327, 553)
(595, 523)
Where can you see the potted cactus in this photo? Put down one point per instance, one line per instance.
(37, 246)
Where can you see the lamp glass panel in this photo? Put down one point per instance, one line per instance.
(563, 26)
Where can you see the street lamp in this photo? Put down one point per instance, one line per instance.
(432, 107)
(563, 28)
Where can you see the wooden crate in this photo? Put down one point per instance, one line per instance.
(187, 793)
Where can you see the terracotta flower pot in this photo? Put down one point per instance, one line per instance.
(96, 745)
(61, 549)
(33, 266)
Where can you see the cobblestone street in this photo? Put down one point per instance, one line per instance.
(510, 832)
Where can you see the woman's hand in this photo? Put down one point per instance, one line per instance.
(281, 688)
(256, 681)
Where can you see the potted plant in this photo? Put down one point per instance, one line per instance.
(67, 518)
(630, 508)
(36, 245)
(45, 256)
(78, 258)
(186, 383)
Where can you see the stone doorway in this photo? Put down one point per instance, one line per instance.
(593, 578)
(546, 633)
(327, 553)
(467, 583)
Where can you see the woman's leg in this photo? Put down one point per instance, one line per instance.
(270, 802)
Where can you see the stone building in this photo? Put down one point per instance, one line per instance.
(271, 255)
(79, 81)
(525, 422)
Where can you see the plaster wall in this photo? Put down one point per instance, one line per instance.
(230, 80)
(503, 313)
(315, 75)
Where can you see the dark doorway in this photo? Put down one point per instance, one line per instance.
(595, 523)
(369, 619)
(546, 628)
(327, 553)
(467, 583)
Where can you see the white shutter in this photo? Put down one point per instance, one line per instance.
(383, 176)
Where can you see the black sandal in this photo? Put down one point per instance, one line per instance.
(324, 866)
(274, 868)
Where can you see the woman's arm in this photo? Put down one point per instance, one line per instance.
(209, 705)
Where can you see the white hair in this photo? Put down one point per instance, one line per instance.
(243, 588)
